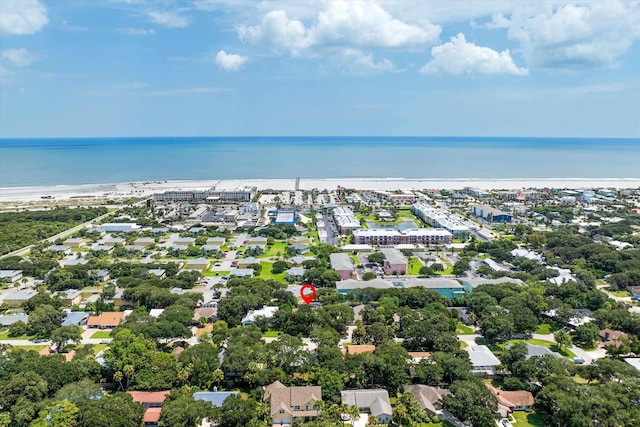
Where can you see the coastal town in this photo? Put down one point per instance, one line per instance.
(431, 307)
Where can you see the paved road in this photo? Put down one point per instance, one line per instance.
(626, 300)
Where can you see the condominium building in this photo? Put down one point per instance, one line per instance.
(441, 219)
(389, 237)
(490, 213)
(244, 194)
(345, 220)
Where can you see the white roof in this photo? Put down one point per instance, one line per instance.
(633, 361)
(156, 312)
(481, 356)
(266, 312)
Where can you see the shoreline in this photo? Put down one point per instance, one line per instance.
(147, 188)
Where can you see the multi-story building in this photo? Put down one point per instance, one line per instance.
(389, 237)
(490, 213)
(441, 219)
(345, 220)
(244, 194)
(394, 261)
(341, 263)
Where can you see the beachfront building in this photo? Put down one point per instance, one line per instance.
(341, 264)
(402, 197)
(345, 220)
(394, 261)
(285, 216)
(490, 213)
(441, 219)
(390, 237)
(242, 194)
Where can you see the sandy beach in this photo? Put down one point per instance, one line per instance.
(144, 189)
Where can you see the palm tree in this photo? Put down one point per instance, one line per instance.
(372, 421)
(354, 413)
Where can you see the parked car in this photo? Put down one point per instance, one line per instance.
(578, 360)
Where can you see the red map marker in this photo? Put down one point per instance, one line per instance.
(308, 296)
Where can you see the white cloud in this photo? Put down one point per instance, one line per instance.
(276, 28)
(129, 31)
(461, 57)
(341, 23)
(356, 63)
(576, 36)
(18, 57)
(230, 61)
(168, 19)
(22, 16)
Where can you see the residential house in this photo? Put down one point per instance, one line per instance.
(60, 249)
(635, 292)
(74, 242)
(10, 319)
(156, 272)
(287, 403)
(358, 349)
(295, 274)
(113, 241)
(11, 276)
(299, 248)
(121, 227)
(210, 249)
(483, 360)
(102, 275)
(197, 264)
(509, 401)
(144, 241)
(246, 262)
(135, 248)
(241, 272)
(341, 264)
(106, 320)
(266, 311)
(612, 337)
(75, 318)
(429, 398)
(185, 241)
(69, 297)
(219, 241)
(209, 313)
(152, 402)
(394, 261)
(419, 356)
(374, 402)
(16, 299)
(73, 262)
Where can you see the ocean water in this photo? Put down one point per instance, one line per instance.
(34, 162)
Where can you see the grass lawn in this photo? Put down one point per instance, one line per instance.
(442, 424)
(525, 418)
(96, 348)
(463, 345)
(266, 273)
(101, 334)
(215, 273)
(271, 334)
(547, 328)
(620, 294)
(4, 335)
(550, 345)
(462, 329)
(414, 267)
(30, 347)
(275, 249)
(203, 331)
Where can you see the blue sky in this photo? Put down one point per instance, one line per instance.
(293, 67)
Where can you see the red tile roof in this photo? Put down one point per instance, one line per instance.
(149, 396)
(152, 415)
(107, 319)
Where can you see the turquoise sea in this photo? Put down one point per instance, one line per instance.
(34, 162)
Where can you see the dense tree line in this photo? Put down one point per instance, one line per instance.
(20, 229)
